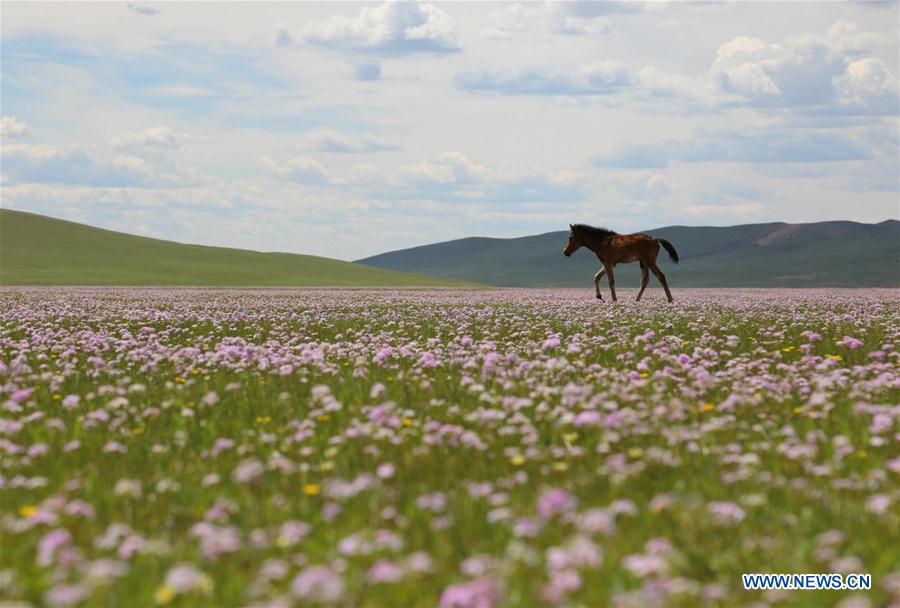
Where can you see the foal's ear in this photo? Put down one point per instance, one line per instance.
(571, 227)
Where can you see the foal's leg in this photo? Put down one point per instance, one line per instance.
(645, 278)
(612, 281)
(662, 279)
(597, 278)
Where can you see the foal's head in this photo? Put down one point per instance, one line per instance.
(574, 242)
(582, 235)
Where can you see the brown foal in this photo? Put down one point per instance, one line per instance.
(613, 248)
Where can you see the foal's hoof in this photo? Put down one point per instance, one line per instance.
(599, 297)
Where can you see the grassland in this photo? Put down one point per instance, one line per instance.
(465, 449)
(37, 250)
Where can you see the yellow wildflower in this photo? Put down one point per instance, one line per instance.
(517, 460)
(164, 594)
(707, 407)
(311, 489)
(28, 511)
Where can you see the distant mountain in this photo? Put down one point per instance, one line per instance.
(848, 254)
(38, 250)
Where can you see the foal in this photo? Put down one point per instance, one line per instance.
(613, 248)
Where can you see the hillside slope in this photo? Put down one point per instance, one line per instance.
(38, 250)
(820, 254)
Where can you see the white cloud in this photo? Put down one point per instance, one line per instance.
(155, 137)
(454, 177)
(450, 168)
(70, 164)
(603, 74)
(847, 38)
(283, 36)
(668, 83)
(367, 71)
(79, 165)
(88, 196)
(10, 126)
(326, 140)
(180, 91)
(868, 84)
(299, 169)
(828, 73)
(738, 213)
(811, 70)
(600, 78)
(773, 145)
(391, 27)
(142, 9)
(553, 17)
(638, 187)
(741, 67)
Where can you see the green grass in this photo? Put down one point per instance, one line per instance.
(38, 250)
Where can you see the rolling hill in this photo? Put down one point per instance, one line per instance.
(848, 254)
(38, 250)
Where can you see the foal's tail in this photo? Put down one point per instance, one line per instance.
(673, 255)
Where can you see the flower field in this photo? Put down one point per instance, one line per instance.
(447, 448)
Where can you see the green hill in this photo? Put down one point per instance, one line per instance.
(38, 250)
(847, 254)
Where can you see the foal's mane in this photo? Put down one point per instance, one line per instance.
(593, 231)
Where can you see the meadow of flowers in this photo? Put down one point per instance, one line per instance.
(461, 449)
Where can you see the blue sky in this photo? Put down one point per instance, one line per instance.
(347, 129)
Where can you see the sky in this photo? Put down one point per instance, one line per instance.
(346, 129)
